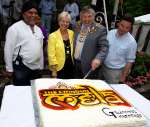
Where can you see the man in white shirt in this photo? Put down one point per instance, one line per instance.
(122, 52)
(23, 51)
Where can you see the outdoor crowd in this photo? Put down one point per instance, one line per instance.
(77, 49)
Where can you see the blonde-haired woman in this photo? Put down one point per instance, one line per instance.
(60, 49)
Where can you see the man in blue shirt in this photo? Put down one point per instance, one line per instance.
(122, 52)
(48, 8)
(73, 10)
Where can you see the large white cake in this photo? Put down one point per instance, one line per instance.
(82, 103)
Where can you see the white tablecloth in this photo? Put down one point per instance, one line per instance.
(17, 107)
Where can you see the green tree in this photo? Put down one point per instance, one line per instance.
(85, 2)
(136, 7)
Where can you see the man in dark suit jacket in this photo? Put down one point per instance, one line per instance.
(91, 45)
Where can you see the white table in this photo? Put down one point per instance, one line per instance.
(17, 107)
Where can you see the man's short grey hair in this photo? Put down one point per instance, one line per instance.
(64, 14)
(88, 9)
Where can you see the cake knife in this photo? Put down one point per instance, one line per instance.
(87, 74)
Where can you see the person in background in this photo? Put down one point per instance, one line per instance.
(60, 48)
(91, 45)
(122, 52)
(48, 9)
(45, 34)
(23, 51)
(43, 29)
(78, 3)
(73, 10)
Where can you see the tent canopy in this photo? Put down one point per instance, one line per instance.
(143, 18)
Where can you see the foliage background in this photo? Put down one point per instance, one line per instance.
(134, 7)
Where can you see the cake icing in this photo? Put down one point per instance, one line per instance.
(83, 103)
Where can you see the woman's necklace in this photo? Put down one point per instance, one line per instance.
(64, 35)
